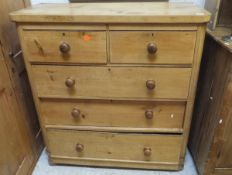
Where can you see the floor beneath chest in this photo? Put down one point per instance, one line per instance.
(43, 168)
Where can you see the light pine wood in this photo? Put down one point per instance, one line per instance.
(68, 27)
(112, 97)
(111, 82)
(118, 129)
(14, 145)
(115, 146)
(153, 26)
(36, 100)
(173, 47)
(21, 140)
(85, 46)
(192, 88)
(114, 163)
(137, 12)
(166, 115)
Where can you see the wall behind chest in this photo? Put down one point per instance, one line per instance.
(198, 2)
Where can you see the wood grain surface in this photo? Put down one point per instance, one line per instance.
(137, 12)
(173, 47)
(111, 82)
(115, 100)
(85, 46)
(108, 146)
(167, 116)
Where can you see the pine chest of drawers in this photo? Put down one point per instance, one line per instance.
(114, 83)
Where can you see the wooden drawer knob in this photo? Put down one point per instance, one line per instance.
(150, 84)
(76, 113)
(64, 48)
(70, 82)
(149, 114)
(79, 147)
(147, 151)
(152, 48)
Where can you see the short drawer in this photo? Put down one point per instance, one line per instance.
(109, 147)
(152, 47)
(111, 82)
(65, 46)
(115, 115)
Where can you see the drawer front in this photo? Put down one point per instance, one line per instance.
(65, 46)
(114, 146)
(152, 47)
(147, 116)
(111, 82)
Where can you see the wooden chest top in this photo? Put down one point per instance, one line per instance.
(131, 12)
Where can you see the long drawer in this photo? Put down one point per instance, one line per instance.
(152, 47)
(111, 82)
(116, 115)
(88, 147)
(65, 46)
